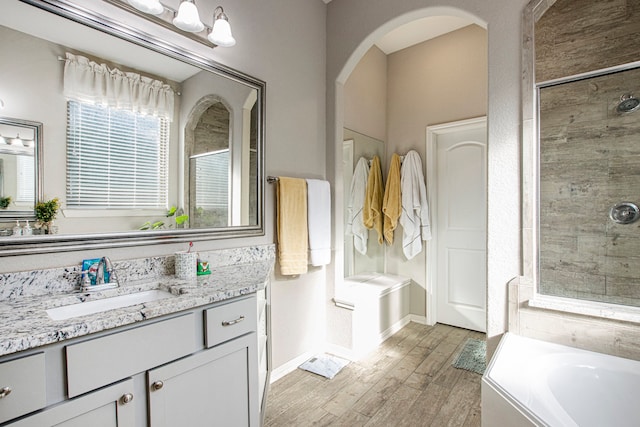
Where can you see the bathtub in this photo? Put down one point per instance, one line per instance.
(536, 383)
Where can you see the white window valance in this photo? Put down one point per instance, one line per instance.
(88, 81)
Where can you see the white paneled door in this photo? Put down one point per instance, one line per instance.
(457, 257)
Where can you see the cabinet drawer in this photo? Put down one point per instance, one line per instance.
(22, 386)
(230, 321)
(101, 361)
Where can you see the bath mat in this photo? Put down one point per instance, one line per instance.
(325, 365)
(472, 357)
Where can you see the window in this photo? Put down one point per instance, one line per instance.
(116, 159)
(25, 180)
(212, 189)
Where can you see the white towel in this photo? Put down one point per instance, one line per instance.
(415, 208)
(355, 220)
(319, 221)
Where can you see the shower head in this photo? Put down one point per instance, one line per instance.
(628, 103)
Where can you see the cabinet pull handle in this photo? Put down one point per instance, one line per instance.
(232, 322)
(157, 385)
(126, 398)
(4, 392)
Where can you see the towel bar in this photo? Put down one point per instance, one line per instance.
(272, 179)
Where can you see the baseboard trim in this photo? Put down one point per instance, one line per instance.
(419, 319)
(290, 366)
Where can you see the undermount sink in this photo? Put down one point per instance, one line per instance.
(105, 304)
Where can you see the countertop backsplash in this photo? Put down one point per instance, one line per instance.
(67, 279)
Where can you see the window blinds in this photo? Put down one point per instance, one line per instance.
(212, 180)
(25, 179)
(116, 159)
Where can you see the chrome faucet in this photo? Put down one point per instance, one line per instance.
(104, 266)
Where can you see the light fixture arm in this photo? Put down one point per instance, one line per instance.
(218, 13)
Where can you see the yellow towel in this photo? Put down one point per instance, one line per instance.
(372, 212)
(292, 225)
(392, 203)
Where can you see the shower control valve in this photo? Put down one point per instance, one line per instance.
(624, 213)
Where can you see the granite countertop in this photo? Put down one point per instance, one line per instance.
(26, 325)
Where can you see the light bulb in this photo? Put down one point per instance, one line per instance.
(17, 140)
(152, 7)
(187, 18)
(221, 33)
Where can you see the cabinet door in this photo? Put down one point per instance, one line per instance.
(111, 406)
(218, 386)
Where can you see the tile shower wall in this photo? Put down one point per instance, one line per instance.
(589, 153)
(589, 161)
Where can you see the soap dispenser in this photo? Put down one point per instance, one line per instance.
(27, 230)
(17, 230)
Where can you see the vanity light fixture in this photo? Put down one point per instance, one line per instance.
(3, 140)
(17, 141)
(220, 34)
(186, 18)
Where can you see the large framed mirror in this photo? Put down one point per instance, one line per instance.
(141, 141)
(581, 129)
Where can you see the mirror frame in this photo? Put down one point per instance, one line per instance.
(36, 127)
(73, 242)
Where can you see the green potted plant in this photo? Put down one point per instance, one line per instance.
(46, 212)
(5, 202)
(179, 218)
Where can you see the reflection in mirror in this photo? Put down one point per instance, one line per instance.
(355, 146)
(208, 171)
(153, 137)
(19, 148)
(588, 151)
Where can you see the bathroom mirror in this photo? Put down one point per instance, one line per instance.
(356, 145)
(586, 115)
(19, 171)
(187, 165)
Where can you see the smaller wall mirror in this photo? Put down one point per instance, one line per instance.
(20, 144)
(355, 146)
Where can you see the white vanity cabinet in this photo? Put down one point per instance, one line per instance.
(198, 367)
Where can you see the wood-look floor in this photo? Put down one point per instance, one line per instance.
(407, 381)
